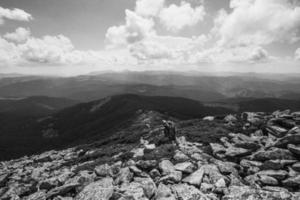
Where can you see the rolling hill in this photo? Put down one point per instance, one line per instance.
(96, 120)
(34, 106)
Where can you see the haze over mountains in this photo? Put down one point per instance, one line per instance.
(40, 113)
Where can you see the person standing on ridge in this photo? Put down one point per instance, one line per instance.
(170, 131)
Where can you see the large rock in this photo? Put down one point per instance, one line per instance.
(249, 193)
(40, 195)
(217, 148)
(180, 157)
(173, 177)
(164, 193)
(166, 167)
(288, 139)
(146, 164)
(296, 166)
(233, 152)
(276, 131)
(102, 189)
(62, 190)
(268, 180)
(209, 170)
(294, 149)
(195, 178)
(273, 154)
(278, 174)
(132, 191)
(188, 192)
(49, 183)
(125, 176)
(250, 166)
(292, 181)
(243, 141)
(148, 186)
(4, 179)
(186, 167)
(277, 164)
(103, 170)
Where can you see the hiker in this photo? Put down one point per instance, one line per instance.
(170, 130)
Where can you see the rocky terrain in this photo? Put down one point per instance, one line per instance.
(247, 156)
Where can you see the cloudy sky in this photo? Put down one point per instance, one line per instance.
(67, 37)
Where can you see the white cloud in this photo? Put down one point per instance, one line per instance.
(257, 22)
(242, 54)
(49, 49)
(174, 17)
(20, 35)
(297, 54)
(149, 8)
(14, 14)
(258, 54)
(135, 29)
(54, 51)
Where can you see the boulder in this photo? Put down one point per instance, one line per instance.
(292, 181)
(40, 195)
(252, 180)
(217, 148)
(195, 178)
(276, 131)
(230, 118)
(132, 191)
(243, 141)
(164, 193)
(277, 164)
(208, 118)
(227, 168)
(295, 130)
(102, 189)
(49, 183)
(102, 170)
(186, 167)
(146, 164)
(62, 190)
(267, 180)
(294, 149)
(233, 152)
(166, 167)
(4, 179)
(154, 173)
(278, 174)
(251, 166)
(288, 139)
(180, 157)
(272, 154)
(148, 186)
(249, 193)
(296, 166)
(125, 176)
(187, 192)
(173, 177)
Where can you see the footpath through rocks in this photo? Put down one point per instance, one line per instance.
(263, 162)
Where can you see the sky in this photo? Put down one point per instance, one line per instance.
(71, 37)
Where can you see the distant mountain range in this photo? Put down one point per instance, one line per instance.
(198, 87)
